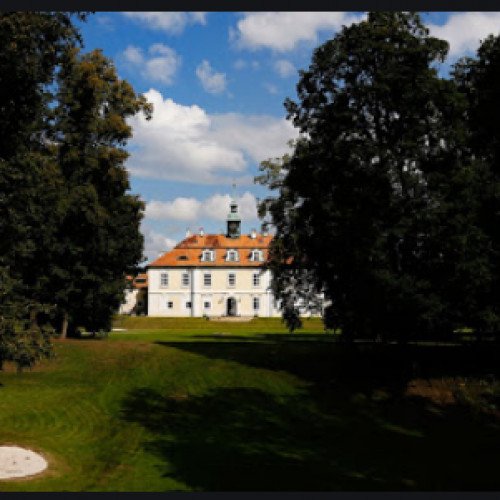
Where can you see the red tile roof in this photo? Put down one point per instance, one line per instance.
(140, 281)
(188, 252)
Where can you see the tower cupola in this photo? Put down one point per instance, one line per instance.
(233, 220)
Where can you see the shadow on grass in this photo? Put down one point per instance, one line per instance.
(354, 426)
(245, 439)
(269, 337)
(327, 363)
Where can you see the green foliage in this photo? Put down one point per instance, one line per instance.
(370, 206)
(25, 344)
(479, 79)
(32, 47)
(70, 227)
(99, 238)
(23, 340)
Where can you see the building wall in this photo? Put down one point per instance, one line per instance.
(129, 302)
(134, 302)
(217, 294)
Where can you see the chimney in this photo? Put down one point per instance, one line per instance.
(264, 230)
(253, 234)
(201, 232)
(188, 232)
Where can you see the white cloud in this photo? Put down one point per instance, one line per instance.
(133, 55)
(242, 64)
(271, 88)
(161, 66)
(172, 23)
(284, 68)
(185, 143)
(164, 66)
(215, 207)
(282, 31)
(259, 136)
(105, 22)
(155, 244)
(183, 209)
(465, 30)
(212, 82)
(198, 17)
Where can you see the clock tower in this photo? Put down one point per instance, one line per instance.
(233, 221)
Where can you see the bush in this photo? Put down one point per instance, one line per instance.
(23, 343)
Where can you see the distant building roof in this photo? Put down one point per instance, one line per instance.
(188, 252)
(140, 281)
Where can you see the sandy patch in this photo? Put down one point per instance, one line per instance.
(20, 462)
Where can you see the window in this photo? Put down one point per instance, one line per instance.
(207, 256)
(185, 279)
(256, 303)
(232, 256)
(231, 279)
(188, 305)
(256, 279)
(256, 256)
(207, 305)
(170, 304)
(164, 279)
(207, 279)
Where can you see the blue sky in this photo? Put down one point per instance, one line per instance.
(217, 81)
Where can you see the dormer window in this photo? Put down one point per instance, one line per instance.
(232, 256)
(207, 256)
(256, 256)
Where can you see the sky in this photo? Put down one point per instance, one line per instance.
(217, 82)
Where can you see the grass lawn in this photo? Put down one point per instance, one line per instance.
(208, 406)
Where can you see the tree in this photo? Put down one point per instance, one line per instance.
(31, 48)
(70, 229)
(479, 79)
(365, 196)
(99, 239)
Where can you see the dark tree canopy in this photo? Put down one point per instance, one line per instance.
(69, 228)
(32, 46)
(369, 208)
(479, 80)
(99, 238)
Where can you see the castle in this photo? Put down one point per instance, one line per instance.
(213, 275)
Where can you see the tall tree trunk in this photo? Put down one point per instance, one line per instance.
(64, 326)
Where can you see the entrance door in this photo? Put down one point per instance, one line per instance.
(231, 306)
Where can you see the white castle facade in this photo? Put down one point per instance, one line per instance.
(213, 275)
